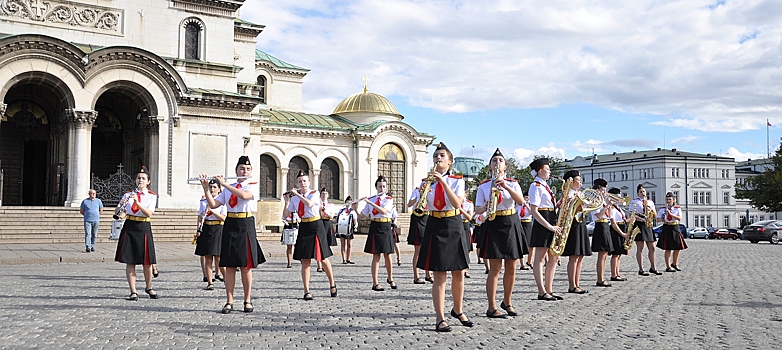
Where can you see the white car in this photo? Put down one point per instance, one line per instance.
(698, 232)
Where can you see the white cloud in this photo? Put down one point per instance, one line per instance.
(589, 145)
(743, 156)
(685, 139)
(525, 156)
(710, 68)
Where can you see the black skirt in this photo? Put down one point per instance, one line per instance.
(526, 229)
(415, 233)
(239, 244)
(467, 234)
(671, 238)
(646, 234)
(380, 239)
(577, 241)
(395, 231)
(312, 242)
(136, 245)
(477, 236)
(208, 242)
(601, 238)
(503, 238)
(618, 241)
(541, 237)
(331, 237)
(444, 246)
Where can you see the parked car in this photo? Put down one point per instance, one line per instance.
(737, 231)
(658, 230)
(723, 233)
(767, 230)
(698, 232)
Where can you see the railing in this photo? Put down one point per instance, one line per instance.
(110, 190)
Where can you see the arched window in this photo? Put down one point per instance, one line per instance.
(297, 163)
(261, 82)
(192, 41)
(391, 164)
(268, 181)
(329, 177)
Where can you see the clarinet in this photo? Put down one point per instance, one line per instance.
(122, 203)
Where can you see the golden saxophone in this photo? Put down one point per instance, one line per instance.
(494, 197)
(585, 201)
(650, 216)
(631, 231)
(424, 191)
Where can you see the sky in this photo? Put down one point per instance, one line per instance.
(543, 77)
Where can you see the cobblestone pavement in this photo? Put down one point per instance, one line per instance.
(726, 297)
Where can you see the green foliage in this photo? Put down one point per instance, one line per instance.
(764, 191)
(520, 173)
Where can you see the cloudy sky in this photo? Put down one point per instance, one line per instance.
(546, 77)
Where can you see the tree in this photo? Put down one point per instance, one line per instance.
(520, 173)
(764, 190)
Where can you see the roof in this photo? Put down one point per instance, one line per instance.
(242, 22)
(367, 102)
(263, 56)
(468, 166)
(644, 154)
(219, 92)
(320, 121)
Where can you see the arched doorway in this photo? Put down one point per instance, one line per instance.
(391, 164)
(297, 163)
(329, 177)
(33, 141)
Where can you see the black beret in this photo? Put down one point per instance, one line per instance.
(537, 163)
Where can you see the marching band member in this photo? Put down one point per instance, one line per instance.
(444, 246)
(601, 236)
(136, 245)
(239, 246)
(477, 237)
(468, 210)
(381, 238)
(415, 233)
(541, 200)
(326, 210)
(290, 222)
(525, 216)
(209, 236)
(394, 215)
(643, 209)
(577, 245)
(671, 239)
(503, 237)
(312, 242)
(618, 237)
(346, 239)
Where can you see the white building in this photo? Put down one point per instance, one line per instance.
(91, 86)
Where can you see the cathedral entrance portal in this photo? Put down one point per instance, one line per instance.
(391, 164)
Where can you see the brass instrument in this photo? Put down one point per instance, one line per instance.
(212, 178)
(625, 201)
(424, 191)
(631, 231)
(494, 197)
(121, 205)
(585, 201)
(650, 216)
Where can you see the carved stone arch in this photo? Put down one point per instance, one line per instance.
(183, 27)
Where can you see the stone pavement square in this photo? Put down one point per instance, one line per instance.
(727, 297)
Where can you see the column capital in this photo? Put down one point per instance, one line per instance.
(3, 107)
(149, 122)
(315, 172)
(80, 118)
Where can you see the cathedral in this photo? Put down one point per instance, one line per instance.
(92, 90)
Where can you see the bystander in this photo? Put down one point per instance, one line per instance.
(91, 208)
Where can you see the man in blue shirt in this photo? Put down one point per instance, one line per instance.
(91, 208)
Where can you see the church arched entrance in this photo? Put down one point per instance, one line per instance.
(391, 164)
(32, 141)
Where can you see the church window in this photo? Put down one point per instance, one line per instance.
(261, 82)
(268, 180)
(297, 163)
(329, 177)
(192, 34)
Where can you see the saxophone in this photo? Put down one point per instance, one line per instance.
(631, 231)
(420, 208)
(585, 201)
(494, 197)
(650, 216)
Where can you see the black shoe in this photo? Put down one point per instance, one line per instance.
(155, 273)
(523, 267)
(227, 308)
(466, 323)
(419, 280)
(334, 293)
(391, 283)
(508, 309)
(377, 288)
(495, 314)
(219, 278)
(618, 279)
(88, 250)
(210, 286)
(92, 249)
(320, 269)
(308, 296)
(561, 298)
(248, 306)
(655, 272)
(467, 274)
(399, 263)
(429, 279)
(669, 269)
(133, 296)
(344, 262)
(437, 327)
(487, 272)
(529, 265)
(643, 273)
(577, 290)
(290, 266)
(150, 293)
(350, 262)
(602, 284)
(546, 297)
(675, 267)
(206, 279)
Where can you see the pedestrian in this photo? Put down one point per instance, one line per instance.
(91, 208)
(136, 246)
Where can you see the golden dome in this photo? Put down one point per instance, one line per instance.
(366, 102)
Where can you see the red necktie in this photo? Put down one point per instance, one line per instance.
(439, 197)
(135, 207)
(550, 194)
(499, 201)
(523, 210)
(670, 217)
(233, 200)
(300, 209)
(374, 210)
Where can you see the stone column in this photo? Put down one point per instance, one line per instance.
(282, 181)
(79, 125)
(315, 180)
(3, 107)
(150, 125)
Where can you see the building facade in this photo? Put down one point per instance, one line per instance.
(703, 184)
(91, 89)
